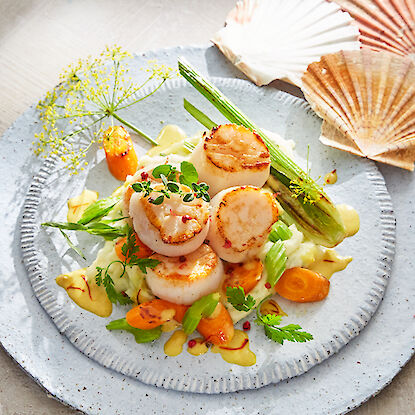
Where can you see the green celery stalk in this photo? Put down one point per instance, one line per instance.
(275, 261)
(201, 308)
(141, 336)
(319, 221)
(279, 231)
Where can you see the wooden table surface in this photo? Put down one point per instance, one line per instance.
(37, 39)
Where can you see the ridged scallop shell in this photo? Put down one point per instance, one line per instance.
(277, 39)
(384, 24)
(369, 96)
(332, 137)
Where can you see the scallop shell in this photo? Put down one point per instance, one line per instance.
(369, 96)
(384, 24)
(277, 39)
(332, 137)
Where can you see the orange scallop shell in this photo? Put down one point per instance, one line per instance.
(368, 96)
(384, 24)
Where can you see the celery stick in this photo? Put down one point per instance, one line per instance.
(275, 261)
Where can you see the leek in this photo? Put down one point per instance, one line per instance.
(303, 199)
(141, 336)
(275, 261)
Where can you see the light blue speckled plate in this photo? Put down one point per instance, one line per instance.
(32, 339)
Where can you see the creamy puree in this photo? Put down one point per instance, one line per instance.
(174, 345)
(78, 204)
(237, 350)
(350, 219)
(85, 293)
(329, 262)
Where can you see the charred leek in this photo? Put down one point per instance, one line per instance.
(304, 201)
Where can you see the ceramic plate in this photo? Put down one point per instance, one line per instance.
(348, 308)
(366, 364)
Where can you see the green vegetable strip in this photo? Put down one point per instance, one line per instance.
(320, 221)
(279, 231)
(95, 228)
(275, 261)
(141, 336)
(201, 308)
(198, 115)
(98, 209)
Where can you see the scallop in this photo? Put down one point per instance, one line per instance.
(172, 228)
(241, 220)
(231, 155)
(185, 279)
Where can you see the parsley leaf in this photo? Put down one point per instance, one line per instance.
(290, 333)
(236, 296)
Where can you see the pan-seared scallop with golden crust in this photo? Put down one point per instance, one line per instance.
(172, 228)
(231, 155)
(185, 279)
(241, 220)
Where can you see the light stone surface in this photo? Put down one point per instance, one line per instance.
(37, 39)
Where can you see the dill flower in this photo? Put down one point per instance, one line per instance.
(90, 94)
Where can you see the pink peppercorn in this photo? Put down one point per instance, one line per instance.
(144, 175)
(246, 326)
(191, 343)
(268, 285)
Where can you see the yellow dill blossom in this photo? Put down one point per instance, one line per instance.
(90, 95)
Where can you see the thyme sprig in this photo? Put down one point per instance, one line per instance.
(91, 93)
(169, 175)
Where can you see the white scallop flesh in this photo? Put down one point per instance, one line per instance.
(241, 220)
(185, 279)
(172, 228)
(231, 155)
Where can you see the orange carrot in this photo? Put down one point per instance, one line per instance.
(245, 275)
(154, 313)
(143, 252)
(218, 327)
(302, 285)
(119, 152)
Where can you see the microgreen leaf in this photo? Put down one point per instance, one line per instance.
(236, 296)
(189, 173)
(163, 169)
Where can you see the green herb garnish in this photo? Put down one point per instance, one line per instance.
(236, 296)
(271, 323)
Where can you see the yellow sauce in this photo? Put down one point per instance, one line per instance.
(78, 204)
(350, 219)
(237, 350)
(329, 263)
(272, 307)
(199, 348)
(331, 178)
(169, 135)
(169, 326)
(174, 345)
(85, 293)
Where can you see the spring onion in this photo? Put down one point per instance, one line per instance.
(201, 308)
(275, 261)
(141, 336)
(280, 231)
(98, 209)
(303, 199)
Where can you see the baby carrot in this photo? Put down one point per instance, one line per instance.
(119, 152)
(302, 285)
(218, 327)
(143, 252)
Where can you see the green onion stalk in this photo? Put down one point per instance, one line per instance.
(302, 199)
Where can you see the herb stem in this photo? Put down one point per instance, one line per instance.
(134, 128)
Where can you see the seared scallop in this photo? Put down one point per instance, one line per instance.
(231, 155)
(172, 228)
(185, 279)
(241, 220)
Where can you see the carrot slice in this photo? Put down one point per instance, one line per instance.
(154, 313)
(302, 285)
(218, 327)
(143, 252)
(245, 274)
(119, 152)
